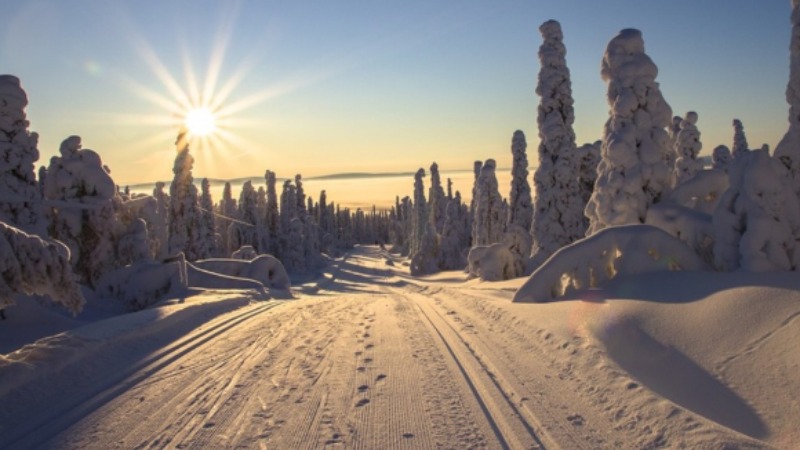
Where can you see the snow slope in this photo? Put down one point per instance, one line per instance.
(369, 357)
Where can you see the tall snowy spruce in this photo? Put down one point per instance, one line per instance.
(85, 220)
(184, 213)
(721, 158)
(436, 199)
(632, 174)
(558, 209)
(489, 221)
(22, 205)
(160, 231)
(272, 216)
(687, 147)
(788, 149)
(227, 211)
(520, 210)
(424, 251)
(207, 226)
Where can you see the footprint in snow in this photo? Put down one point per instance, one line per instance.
(362, 402)
(576, 420)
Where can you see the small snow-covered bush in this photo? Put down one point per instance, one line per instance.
(265, 269)
(31, 265)
(143, 283)
(613, 251)
(491, 262)
(246, 252)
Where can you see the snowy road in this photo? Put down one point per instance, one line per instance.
(372, 359)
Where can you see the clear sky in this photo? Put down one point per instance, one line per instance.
(318, 87)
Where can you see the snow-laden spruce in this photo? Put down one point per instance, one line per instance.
(520, 209)
(84, 219)
(437, 202)
(184, 212)
(488, 220)
(227, 210)
(687, 147)
(32, 266)
(558, 209)
(632, 174)
(788, 149)
(207, 225)
(740, 145)
(757, 222)
(272, 216)
(20, 195)
(588, 156)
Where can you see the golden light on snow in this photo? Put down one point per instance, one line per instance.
(200, 122)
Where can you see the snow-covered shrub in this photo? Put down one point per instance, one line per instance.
(30, 265)
(721, 158)
(757, 222)
(21, 204)
(133, 245)
(701, 193)
(491, 262)
(144, 283)
(265, 269)
(558, 217)
(84, 218)
(489, 220)
(614, 251)
(245, 252)
(687, 147)
(632, 174)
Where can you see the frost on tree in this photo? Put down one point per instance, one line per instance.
(788, 149)
(687, 147)
(611, 252)
(32, 266)
(184, 212)
(558, 209)
(20, 196)
(488, 221)
(740, 145)
(721, 158)
(85, 218)
(757, 223)
(632, 174)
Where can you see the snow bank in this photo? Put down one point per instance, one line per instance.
(266, 269)
(143, 283)
(590, 262)
(491, 262)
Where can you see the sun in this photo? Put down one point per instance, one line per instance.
(200, 121)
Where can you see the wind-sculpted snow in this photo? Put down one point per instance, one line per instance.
(30, 265)
(265, 269)
(614, 251)
(144, 283)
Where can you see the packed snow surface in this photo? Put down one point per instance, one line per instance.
(367, 356)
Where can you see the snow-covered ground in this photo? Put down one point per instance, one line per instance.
(367, 356)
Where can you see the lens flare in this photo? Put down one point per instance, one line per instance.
(201, 122)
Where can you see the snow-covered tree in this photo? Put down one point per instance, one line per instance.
(721, 158)
(788, 149)
(632, 174)
(184, 212)
(158, 226)
(489, 220)
(85, 218)
(207, 227)
(588, 156)
(437, 202)
(740, 145)
(757, 222)
(452, 241)
(30, 265)
(248, 230)
(227, 211)
(419, 214)
(687, 147)
(558, 209)
(20, 196)
(272, 217)
(520, 211)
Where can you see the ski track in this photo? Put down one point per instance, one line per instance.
(371, 360)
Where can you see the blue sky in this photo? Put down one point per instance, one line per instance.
(325, 87)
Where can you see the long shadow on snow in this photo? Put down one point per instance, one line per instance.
(674, 376)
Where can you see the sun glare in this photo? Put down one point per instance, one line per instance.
(201, 122)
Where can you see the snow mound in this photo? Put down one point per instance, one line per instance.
(622, 250)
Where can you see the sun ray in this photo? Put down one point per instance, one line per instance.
(152, 96)
(192, 87)
(220, 48)
(161, 72)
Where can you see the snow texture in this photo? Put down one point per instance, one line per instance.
(33, 266)
(632, 174)
(20, 195)
(757, 222)
(611, 252)
(558, 217)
